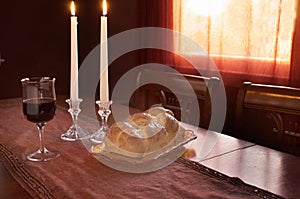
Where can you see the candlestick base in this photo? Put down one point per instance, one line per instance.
(104, 112)
(74, 132)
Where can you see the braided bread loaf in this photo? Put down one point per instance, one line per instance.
(145, 132)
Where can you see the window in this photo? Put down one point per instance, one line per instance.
(258, 32)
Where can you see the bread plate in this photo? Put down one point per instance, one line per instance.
(173, 150)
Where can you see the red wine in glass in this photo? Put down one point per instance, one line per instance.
(39, 110)
(39, 106)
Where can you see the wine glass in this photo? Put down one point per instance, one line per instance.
(39, 106)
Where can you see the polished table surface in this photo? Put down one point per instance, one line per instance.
(265, 168)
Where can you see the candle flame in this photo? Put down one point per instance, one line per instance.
(104, 6)
(72, 8)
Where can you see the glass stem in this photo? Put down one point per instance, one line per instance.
(74, 118)
(40, 127)
(104, 122)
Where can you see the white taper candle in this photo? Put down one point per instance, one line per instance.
(104, 87)
(74, 56)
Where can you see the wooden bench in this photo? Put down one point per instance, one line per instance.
(182, 99)
(280, 105)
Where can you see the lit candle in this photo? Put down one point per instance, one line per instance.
(74, 56)
(104, 88)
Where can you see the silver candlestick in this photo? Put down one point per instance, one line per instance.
(104, 112)
(73, 133)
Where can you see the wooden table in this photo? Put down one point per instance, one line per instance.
(265, 168)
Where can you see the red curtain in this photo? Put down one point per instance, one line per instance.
(294, 79)
(155, 13)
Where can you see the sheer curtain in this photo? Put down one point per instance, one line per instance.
(252, 38)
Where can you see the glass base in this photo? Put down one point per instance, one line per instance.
(73, 134)
(104, 112)
(44, 156)
(98, 136)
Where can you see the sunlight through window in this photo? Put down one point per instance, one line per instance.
(261, 29)
(206, 8)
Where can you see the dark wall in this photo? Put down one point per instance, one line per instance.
(34, 42)
(35, 39)
(121, 17)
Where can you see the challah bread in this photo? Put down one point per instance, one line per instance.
(158, 110)
(145, 132)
